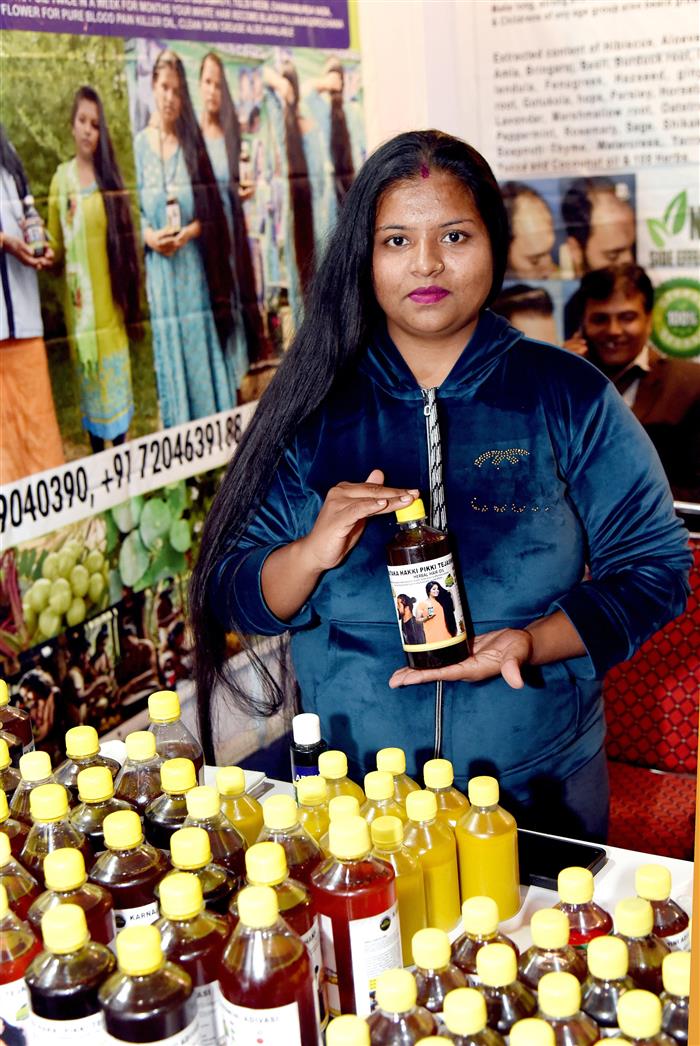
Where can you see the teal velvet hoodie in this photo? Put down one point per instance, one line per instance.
(555, 499)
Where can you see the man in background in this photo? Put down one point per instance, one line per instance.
(532, 235)
(528, 309)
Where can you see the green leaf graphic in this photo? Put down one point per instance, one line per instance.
(657, 231)
(674, 215)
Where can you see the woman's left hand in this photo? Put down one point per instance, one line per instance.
(501, 652)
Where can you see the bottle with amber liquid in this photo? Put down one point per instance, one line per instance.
(433, 843)
(35, 769)
(51, 829)
(129, 869)
(347, 1030)
(387, 845)
(9, 776)
(312, 797)
(97, 800)
(438, 775)
(82, 751)
(15, 720)
(228, 846)
(21, 887)
(507, 1000)
(639, 1015)
(436, 974)
(550, 951)
(465, 1020)
(333, 766)
(190, 852)
(399, 1019)
(168, 812)
(16, 831)
(281, 825)
(634, 923)
(671, 923)
(67, 883)
(138, 781)
(173, 739)
(18, 946)
(393, 761)
(559, 999)
(587, 919)
(607, 980)
(242, 810)
(480, 925)
(433, 617)
(532, 1031)
(675, 998)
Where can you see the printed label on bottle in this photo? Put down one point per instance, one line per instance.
(678, 942)
(304, 771)
(330, 965)
(427, 604)
(312, 940)
(375, 945)
(189, 1036)
(210, 1026)
(59, 1032)
(267, 1027)
(14, 1011)
(146, 913)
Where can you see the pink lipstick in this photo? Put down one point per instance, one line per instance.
(428, 295)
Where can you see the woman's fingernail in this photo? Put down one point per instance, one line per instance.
(381, 501)
(407, 497)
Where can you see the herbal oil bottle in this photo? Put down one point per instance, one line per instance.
(465, 1019)
(228, 846)
(639, 1015)
(243, 811)
(333, 766)
(507, 1000)
(380, 802)
(15, 720)
(550, 950)
(190, 852)
(9, 777)
(16, 831)
(675, 998)
(312, 797)
(393, 761)
(487, 842)
(438, 776)
(97, 800)
(433, 843)
(130, 869)
(532, 1031)
(387, 845)
(82, 751)
(35, 769)
(606, 981)
(348, 1030)
(435, 974)
(587, 919)
(67, 883)
(399, 1019)
(480, 925)
(634, 923)
(138, 781)
(51, 829)
(18, 946)
(281, 825)
(559, 998)
(339, 806)
(21, 887)
(671, 923)
(168, 812)
(173, 739)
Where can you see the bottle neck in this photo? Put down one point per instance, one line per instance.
(413, 524)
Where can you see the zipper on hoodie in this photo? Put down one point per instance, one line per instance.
(437, 518)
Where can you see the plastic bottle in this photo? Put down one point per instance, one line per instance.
(507, 1000)
(339, 806)
(333, 766)
(149, 999)
(393, 761)
(480, 924)
(16, 831)
(265, 976)
(138, 781)
(354, 895)
(639, 1015)
(348, 1030)
(9, 777)
(559, 998)
(82, 751)
(380, 801)
(607, 980)
(282, 826)
(464, 1017)
(675, 998)
(130, 869)
(399, 1019)
(438, 775)
(67, 883)
(63, 981)
(312, 797)
(433, 843)
(18, 946)
(194, 939)
(487, 843)
(532, 1031)
(190, 852)
(168, 812)
(21, 887)
(15, 720)
(671, 923)
(228, 846)
(173, 739)
(550, 950)
(419, 561)
(35, 769)
(51, 829)
(435, 974)
(634, 922)
(34, 230)
(586, 918)
(306, 746)
(387, 843)
(243, 811)
(97, 800)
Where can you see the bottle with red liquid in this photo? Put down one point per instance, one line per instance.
(173, 739)
(35, 769)
(266, 980)
(67, 883)
(559, 999)
(9, 776)
(354, 895)
(22, 888)
(634, 923)
(82, 751)
(194, 939)
(281, 825)
(190, 852)
(18, 946)
(466, 1022)
(340, 806)
(16, 831)
(550, 950)
(138, 781)
(399, 1019)
(586, 918)
(51, 829)
(675, 998)
(168, 812)
(507, 999)
(96, 794)
(607, 980)
(130, 869)
(228, 846)
(480, 925)
(671, 923)
(435, 974)
(15, 720)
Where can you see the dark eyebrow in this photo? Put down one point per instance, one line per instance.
(443, 225)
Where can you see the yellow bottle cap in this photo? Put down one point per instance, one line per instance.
(4, 905)
(575, 885)
(4, 694)
(496, 965)
(230, 781)
(348, 838)
(35, 766)
(190, 848)
(4, 755)
(639, 1014)
(559, 995)
(431, 948)
(4, 808)
(676, 973)
(386, 831)
(333, 764)
(177, 776)
(393, 760)
(416, 510)
(634, 917)
(435, 1040)
(280, 812)
(480, 916)
(549, 928)
(48, 802)
(343, 806)
(139, 951)
(379, 785)
(483, 791)
(652, 882)
(82, 742)
(421, 805)
(164, 706)
(64, 929)
(64, 869)
(95, 784)
(203, 801)
(5, 849)
(180, 896)
(348, 1030)
(532, 1031)
(140, 746)
(438, 773)
(122, 830)
(312, 791)
(608, 958)
(396, 991)
(464, 1010)
(266, 864)
(257, 906)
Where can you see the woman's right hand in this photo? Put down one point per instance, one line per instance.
(162, 241)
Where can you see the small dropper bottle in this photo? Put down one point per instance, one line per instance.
(387, 845)
(464, 1017)
(634, 923)
(16, 831)
(439, 775)
(312, 796)
(347, 1030)
(559, 997)
(587, 919)
(35, 769)
(480, 924)
(97, 800)
(9, 777)
(282, 826)
(168, 812)
(607, 980)
(21, 887)
(190, 852)
(550, 951)
(243, 811)
(671, 923)
(138, 781)
(82, 751)
(380, 801)
(333, 765)
(306, 746)
(399, 1019)
(228, 846)
(639, 1015)
(66, 883)
(51, 829)
(507, 1000)
(393, 761)
(435, 974)
(675, 998)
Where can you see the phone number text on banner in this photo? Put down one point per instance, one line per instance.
(46, 501)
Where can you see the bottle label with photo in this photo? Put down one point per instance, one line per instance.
(247, 1027)
(428, 605)
(14, 1011)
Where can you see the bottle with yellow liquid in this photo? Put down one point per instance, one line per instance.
(243, 811)
(393, 761)
(487, 842)
(399, 1019)
(138, 781)
(607, 979)
(435, 974)
(559, 998)
(333, 766)
(439, 775)
(533, 1031)
(507, 1000)
(312, 796)
(339, 806)
(550, 951)
(464, 1017)
(634, 923)
(433, 843)
(380, 801)
(347, 1030)
(675, 998)
(639, 1014)
(387, 843)
(480, 925)
(97, 800)
(281, 825)
(35, 769)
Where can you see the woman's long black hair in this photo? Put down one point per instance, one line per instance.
(213, 242)
(299, 183)
(341, 147)
(340, 314)
(445, 600)
(243, 263)
(124, 270)
(10, 160)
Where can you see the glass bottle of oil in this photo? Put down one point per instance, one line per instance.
(138, 781)
(35, 769)
(347, 1030)
(464, 1018)
(15, 720)
(435, 974)
(393, 761)
(487, 842)
(438, 775)
(587, 919)
(380, 802)
(9, 776)
(333, 766)
(51, 829)
(387, 845)
(266, 979)
(21, 887)
(606, 981)
(190, 852)
(281, 825)
(639, 1015)
(399, 1019)
(559, 998)
(339, 806)
(173, 739)
(129, 869)
(66, 883)
(228, 846)
(312, 797)
(168, 812)
(242, 810)
(149, 999)
(97, 800)
(675, 998)
(480, 925)
(18, 946)
(671, 923)
(634, 923)
(533, 1031)
(550, 950)
(507, 1000)
(82, 751)
(16, 831)
(433, 843)
(194, 939)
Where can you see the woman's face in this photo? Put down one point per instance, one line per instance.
(166, 91)
(210, 86)
(431, 264)
(434, 591)
(86, 129)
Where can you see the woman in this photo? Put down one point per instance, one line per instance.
(437, 613)
(325, 102)
(92, 233)
(188, 271)
(545, 475)
(412, 629)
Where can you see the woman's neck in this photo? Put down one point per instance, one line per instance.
(86, 170)
(430, 359)
(209, 123)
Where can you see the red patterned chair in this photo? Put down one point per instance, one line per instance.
(651, 707)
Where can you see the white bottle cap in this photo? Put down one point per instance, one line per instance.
(306, 728)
